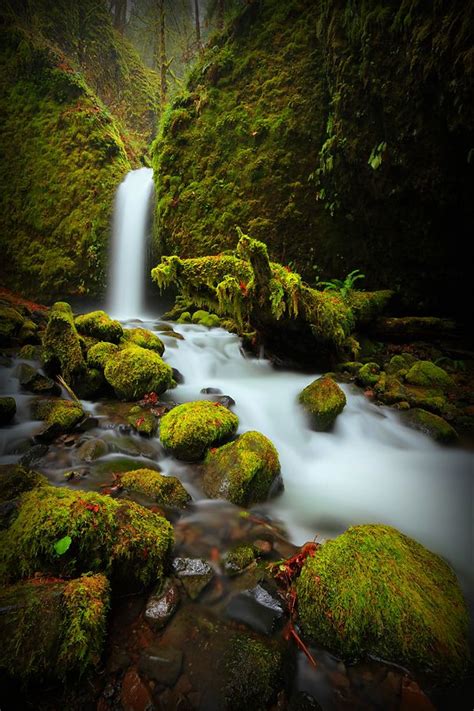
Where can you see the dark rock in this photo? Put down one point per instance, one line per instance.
(7, 409)
(179, 377)
(162, 664)
(211, 391)
(162, 605)
(33, 455)
(32, 380)
(92, 449)
(135, 695)
(194, 574)
(256, 608)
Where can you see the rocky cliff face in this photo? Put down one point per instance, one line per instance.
(78, 111)
(340, 134)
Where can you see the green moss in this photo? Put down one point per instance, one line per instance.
(375, 591)
(324, 400)
(115, 537)
(143, 421)
(135, 371)
(188, 430)
(237, 559)
(400, 363)
(242, 471)
(432, 425)
(143, 338)
(369, 374)
(11, 322)
(60, 416)
(252, 671)
(391, 390)
(53, 628)
(427, 374)
(7, 409)
(99, 325)
(166, 490)
(90, 384)
(15, 479)
(99, 353)
(62, 351)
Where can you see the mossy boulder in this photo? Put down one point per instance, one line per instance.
(426, 374)
(11, 322)
(16, 479)
(323, 400)
(118, 538)
(143, 338)
(142, 421)
(135, 371)
(242, 471)
(391, 390)
(90, 384)
(62, 352)
(166, 490)
(400, 362)
(99, 325)
(238, 558)
(204, 318)
(99, 354)
(432, 425)
(53, 628)
(376, 591)
(7, 409)
(188, 430)
(59, 416)
(368, 374)
(31, 379)
(92, 449)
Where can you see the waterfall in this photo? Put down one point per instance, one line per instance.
(125, 297)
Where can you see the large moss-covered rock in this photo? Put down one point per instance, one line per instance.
(59, 416)
(135, 371)
(16, 479)
(428, 375)
(99, 354)
(376, 591)
(166, 490)
(62, 352)
(368, 374)
(51, 627)
(7, 409)
(432, 425)
(144, 338)
(188, 430)
(119, 538)
(99, 325)
(323, 400)
(242, 471)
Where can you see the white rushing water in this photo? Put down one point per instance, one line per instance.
(125, 298)
(371, 468)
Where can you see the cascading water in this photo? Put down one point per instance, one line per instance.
(125, 298)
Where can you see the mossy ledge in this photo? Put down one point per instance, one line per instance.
(376, 591)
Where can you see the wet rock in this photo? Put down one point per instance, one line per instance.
(237, 559)
(99, 325)
(7, 409)
(256, 608)
(60, 416)
(189, 429)
(302, 701)
(16, 479)
(92, 449)
(162, 605)
(323, 400)
(250, 672)
(62, 352)
(432, 425)
(142, 421)
(30, 352)
(177, 375)
(32, 380)
(165, 490)
(143, 338)
(162, 664)
(194, 574)
(33, 455)
(368, 375)
(135, 695)
(243, 471)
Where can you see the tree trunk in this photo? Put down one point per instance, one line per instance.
(198, 24)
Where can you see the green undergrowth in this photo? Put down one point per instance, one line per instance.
(77, 108)
(328, 131)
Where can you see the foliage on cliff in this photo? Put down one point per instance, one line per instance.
(338, 133)
(78, 107)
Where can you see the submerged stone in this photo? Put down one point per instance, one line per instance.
(376, 591)
(189, 430)
(92, 449)
(135, 371)
(323, 400)
(51, 627)
(99, 325)
(242, 471)
(166, 490)
(256, 608)
(194, 574)
(162, 664)
(162, 605)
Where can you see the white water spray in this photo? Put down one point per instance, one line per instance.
(125, 298)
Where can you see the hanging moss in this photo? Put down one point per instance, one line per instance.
(373, 590)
